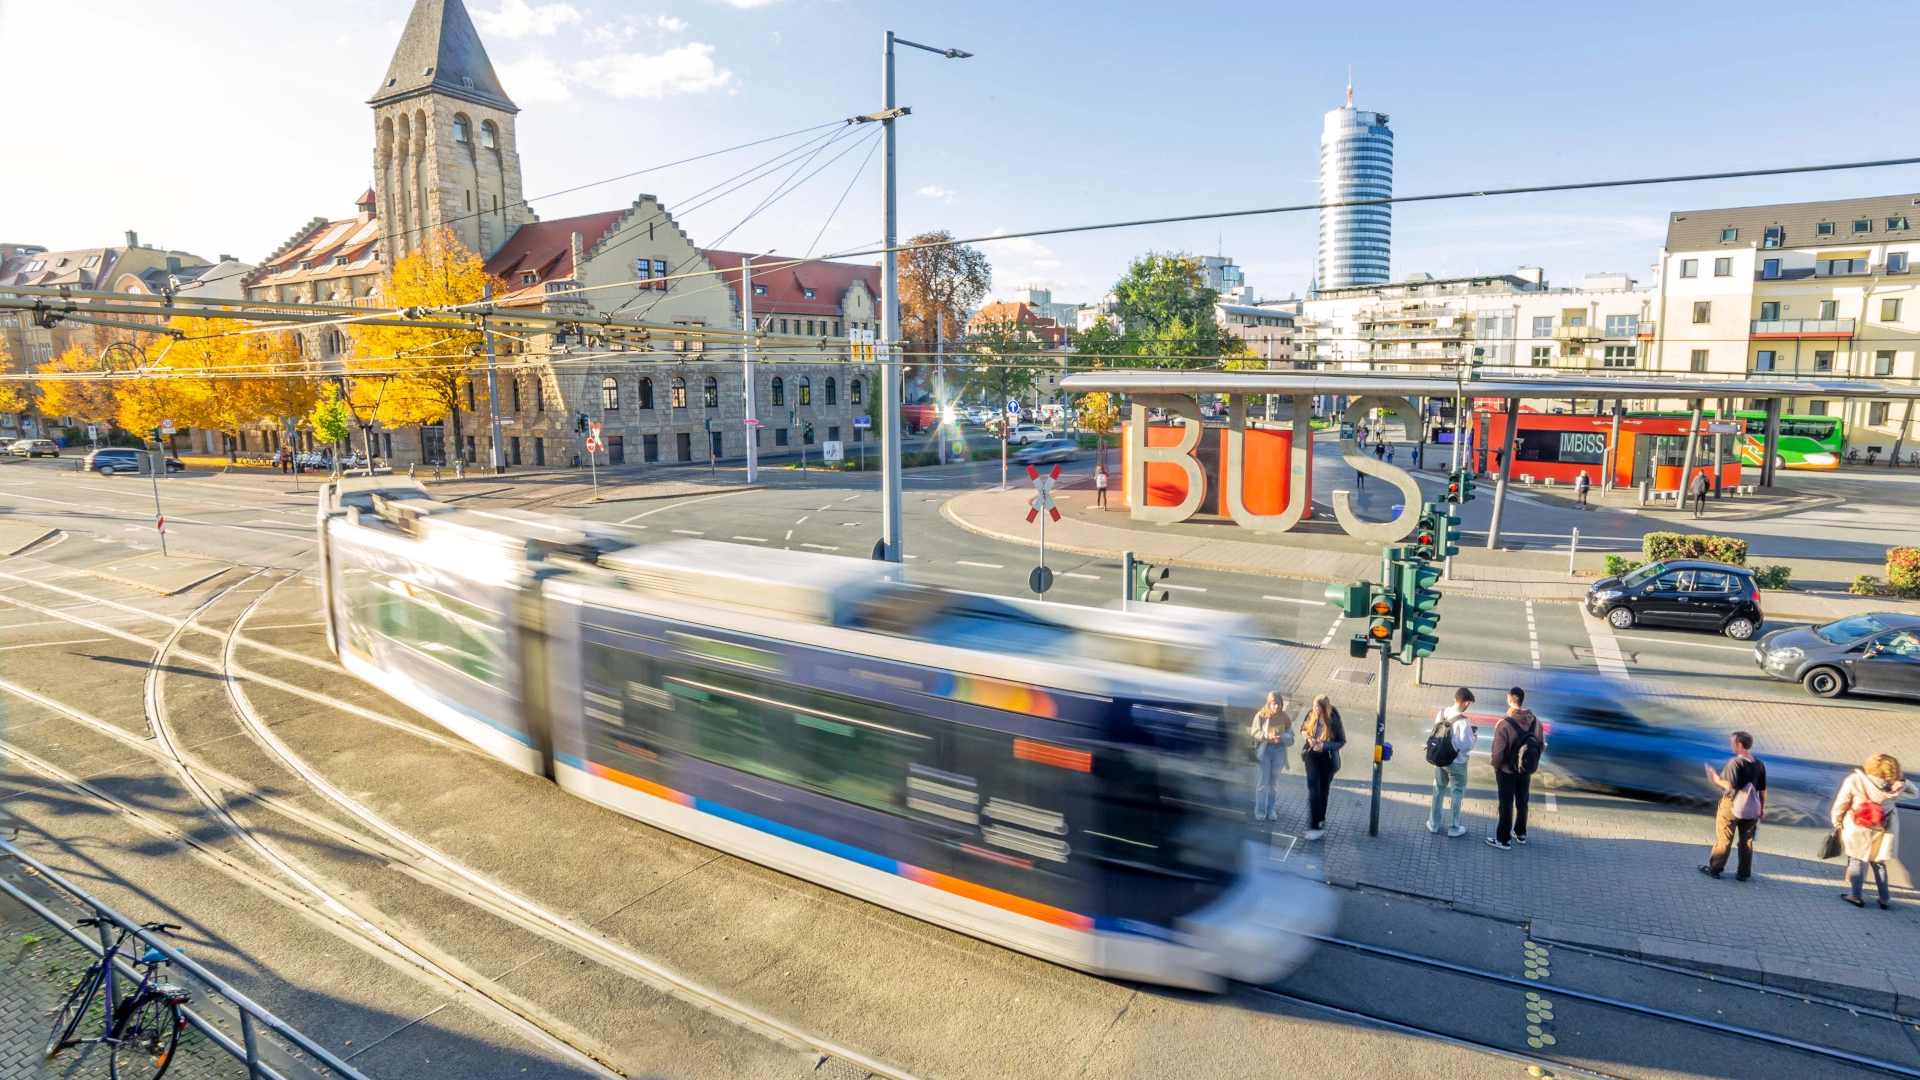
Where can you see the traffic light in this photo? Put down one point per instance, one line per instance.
(1350, 598)
(580, 424)
(1460, 486)
(1141, 587)
(1435, 537)
(1414, 585)
(1383, 614)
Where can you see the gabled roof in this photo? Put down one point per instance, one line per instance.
(316, 251)
(1701, 230)
(787, 282)
(1019, 314)
(62, 267)
(546, 248)
(440, 52)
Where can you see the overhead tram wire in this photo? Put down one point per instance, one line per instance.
(835, 212)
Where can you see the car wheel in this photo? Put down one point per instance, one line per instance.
(1824, 682)
(1740, 628)
(1621, 618)
(105, 470)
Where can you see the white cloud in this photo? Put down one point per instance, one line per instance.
(534, 79)
(517, 18)
(670, 24)
(683, 69)
(745, 4)
(935, 191)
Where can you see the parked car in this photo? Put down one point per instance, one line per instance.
(1878, 653)
(980, 414)
(34, 448)
(1046, 450)
(1022, 434)
(1682, 593)
(118, 459)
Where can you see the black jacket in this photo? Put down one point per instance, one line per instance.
(1336, 734)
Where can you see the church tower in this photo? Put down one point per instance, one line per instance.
(444, 148)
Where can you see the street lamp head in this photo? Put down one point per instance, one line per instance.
(956, 54)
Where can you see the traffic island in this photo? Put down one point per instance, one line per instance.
(165, 576)
(18, 536)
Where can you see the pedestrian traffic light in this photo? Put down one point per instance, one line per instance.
(1350, 598)
(581, 423)
(1142, 588)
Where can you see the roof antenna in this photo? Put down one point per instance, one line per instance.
(1349, 86)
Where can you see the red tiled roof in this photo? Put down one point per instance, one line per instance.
(546, 248)
(354, 237)
(786, 282)
(1020, 314)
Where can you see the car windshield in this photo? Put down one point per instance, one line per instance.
(1643, 573)
(1849, 629)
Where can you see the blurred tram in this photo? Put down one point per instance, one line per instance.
(1063, 781)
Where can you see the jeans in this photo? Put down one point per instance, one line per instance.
(1699, 504)
(1729, 833)
(1266, 787)
(1513, 805)
(1448, 778)
(1319, 766)
(1100, 497)
(1857, 877)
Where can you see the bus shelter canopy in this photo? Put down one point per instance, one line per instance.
(1411, 385)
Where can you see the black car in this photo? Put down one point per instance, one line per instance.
(1681, 592)
(1875, 654)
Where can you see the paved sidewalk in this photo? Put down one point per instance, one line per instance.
(1595, 871)
(1002, 515)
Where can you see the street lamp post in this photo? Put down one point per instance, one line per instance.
(890, 267)
(747, 373)
(496, 455)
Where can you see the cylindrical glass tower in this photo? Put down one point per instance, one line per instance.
(1356, 162)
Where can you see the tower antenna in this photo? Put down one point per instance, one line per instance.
(1349, 86)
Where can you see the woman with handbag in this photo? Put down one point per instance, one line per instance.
(1867, 820)
(1325, 736)
(1272, 733)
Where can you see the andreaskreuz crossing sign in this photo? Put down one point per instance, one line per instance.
(1043, 485)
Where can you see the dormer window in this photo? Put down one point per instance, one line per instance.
(529, 277)
(92, 261)
(808, 293)
(61, 263)
(1825, 228)
(36, 266)
(759, 290)
(306, 264)
(339, 260)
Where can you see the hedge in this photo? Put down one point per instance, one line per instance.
(1726, 549)
(1903, 570)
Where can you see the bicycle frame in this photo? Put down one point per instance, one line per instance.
(116, 1009)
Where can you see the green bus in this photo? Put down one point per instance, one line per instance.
(1806, 442)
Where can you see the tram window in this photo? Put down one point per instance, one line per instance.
(1162, 812)
(463, 636)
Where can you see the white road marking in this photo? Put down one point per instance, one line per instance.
(826, 508)
(1679, 641)
(1553, 804)
(982, 565)
(849, 524)
(850, 498)
(1182, 588)
(1332, 630)
(1533, 637)
(1083, 577)
(45, 644)
(820, 547)
(789, 534)
(752, 539)
(1607, 656)
(690, 532)
(803, 519)
(1295, 600)
(684, 502)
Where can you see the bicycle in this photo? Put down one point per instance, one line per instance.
(141, 1027)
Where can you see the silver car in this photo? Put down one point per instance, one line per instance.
(34, 448)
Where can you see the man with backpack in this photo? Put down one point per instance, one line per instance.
(1447, 748)
(1743, 785)
(1517, 746)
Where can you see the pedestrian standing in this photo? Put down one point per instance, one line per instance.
(1868, 820)
(1359, 479)
(1447, 750)
(1325, 735)
(1380, 449)
(1580, 487)
(1420, 455)
(1390, 449)
(1699, 490)
(1743, 799)
(1100, 487)
(1272, 733)
(1517, 746)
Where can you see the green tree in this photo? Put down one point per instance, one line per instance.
(1167, 313)
(331, 421)
(1007, 361)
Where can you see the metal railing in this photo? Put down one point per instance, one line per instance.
(1802, 326)
(252, 1016)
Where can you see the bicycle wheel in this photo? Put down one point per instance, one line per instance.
(146, 1042)
(82, 1004)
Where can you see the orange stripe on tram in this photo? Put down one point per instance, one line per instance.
(1047, 754)
(1032, 909)
(658, 791)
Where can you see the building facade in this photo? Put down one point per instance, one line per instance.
(1356, 162)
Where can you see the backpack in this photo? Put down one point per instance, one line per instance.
(1526, 754)
(1868, 814)
(1440, 749)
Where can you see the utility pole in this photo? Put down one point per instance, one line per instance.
(746, 349)
(496, 454)
(940, 388)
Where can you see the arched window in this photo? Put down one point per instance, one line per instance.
(833, 398)
(806, 390)
(461, 131)
(779, 391)
(609, 394)
(710, 394)
(489, 136)
(853, 391)
(646, 393)
(679, 392)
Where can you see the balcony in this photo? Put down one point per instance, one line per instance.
(1802, 328)
(1644, 329)
(1578, 333)
(1456, 332)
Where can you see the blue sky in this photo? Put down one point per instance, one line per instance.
(222, 126)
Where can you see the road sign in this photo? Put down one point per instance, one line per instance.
(833, 450)
(593, 430)
(506, 421)
(1040, 580)
(750, 422)
(1013, 407)
(166, 426)
(93, 432)
(1724, 427)
(863, 421)
(1043, 485)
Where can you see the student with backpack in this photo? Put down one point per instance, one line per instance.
(1517, 746)
(1869, 823)
(1743, 800)
(1448, 745)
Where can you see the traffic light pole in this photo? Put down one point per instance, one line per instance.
(496, 453)
(890, 512)
(746, 362)
(1380, 702)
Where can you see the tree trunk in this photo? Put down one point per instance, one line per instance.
(459, 443)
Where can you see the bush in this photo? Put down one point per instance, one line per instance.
(1666, 545)
(1620, 564)
(1903, 571)
(1865, 585)
(1773, 577)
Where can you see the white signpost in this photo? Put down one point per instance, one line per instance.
(593, 453)
(1043, 484)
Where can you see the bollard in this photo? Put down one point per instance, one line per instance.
(1573, 550)
(1643, 493)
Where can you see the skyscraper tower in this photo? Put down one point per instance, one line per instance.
(1356, 162)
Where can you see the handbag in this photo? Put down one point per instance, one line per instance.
(1831, 847)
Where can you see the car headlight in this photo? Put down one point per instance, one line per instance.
(1607, 594)
(1781, 656)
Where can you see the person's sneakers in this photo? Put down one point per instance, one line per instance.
(1259, 815)
(1494, 841)
(1431, 829)
(1457, 830)
(1852, 900)
(1709, 872)
(1519, 838)
(1315, 834)
(1883, 905)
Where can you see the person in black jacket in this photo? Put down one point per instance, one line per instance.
(1512, 772)
(1324, 735)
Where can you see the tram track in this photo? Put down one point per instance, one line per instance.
(393, 846)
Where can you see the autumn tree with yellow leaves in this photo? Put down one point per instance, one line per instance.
(14, 396)
(85, 395)
(225, 374)
(410, 375)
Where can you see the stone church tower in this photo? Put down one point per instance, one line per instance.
(444, 148)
